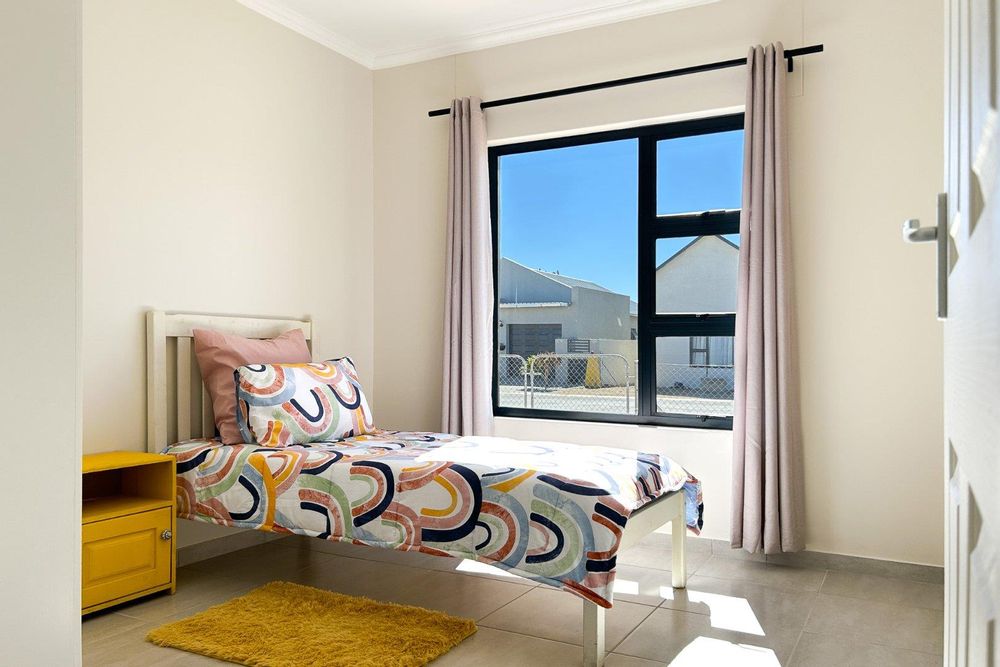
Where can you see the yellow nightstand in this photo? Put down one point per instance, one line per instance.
(129, 521)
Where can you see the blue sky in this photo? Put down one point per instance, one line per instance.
(573, 210)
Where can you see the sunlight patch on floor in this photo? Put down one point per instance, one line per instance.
(626, 587)
(476, 567)
(725, 611)
(707, 651)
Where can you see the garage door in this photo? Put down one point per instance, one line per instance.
(529, 339)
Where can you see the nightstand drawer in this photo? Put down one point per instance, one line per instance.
(125, 555)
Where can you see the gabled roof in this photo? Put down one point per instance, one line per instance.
(566, 281)
(573, 282)
(538, 304)
(696, 240)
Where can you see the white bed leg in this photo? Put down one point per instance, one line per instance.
(593, 634)
(678, 535)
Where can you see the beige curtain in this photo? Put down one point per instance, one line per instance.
(767, 510)
(468, 308)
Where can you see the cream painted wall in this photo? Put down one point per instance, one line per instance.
(40, 336)
(227, 169)
(866, 137)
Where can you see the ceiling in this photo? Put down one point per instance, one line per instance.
(386, 33)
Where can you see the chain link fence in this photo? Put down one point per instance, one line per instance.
(694, 390)
(602, 383)
(571, 382)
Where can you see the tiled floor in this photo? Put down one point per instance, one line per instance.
(735, 611)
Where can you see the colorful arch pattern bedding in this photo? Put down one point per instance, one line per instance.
(551, 512)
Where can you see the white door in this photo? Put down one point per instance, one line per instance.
(970, 230)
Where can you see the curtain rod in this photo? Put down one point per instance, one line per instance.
(614, 83)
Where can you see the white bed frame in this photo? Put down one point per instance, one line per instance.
(179, 408)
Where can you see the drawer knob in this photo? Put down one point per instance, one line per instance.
(166, 535)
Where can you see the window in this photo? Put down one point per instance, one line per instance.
(699, 351)
(710, 350)
(616, 257)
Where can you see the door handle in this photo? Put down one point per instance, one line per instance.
(914, 233)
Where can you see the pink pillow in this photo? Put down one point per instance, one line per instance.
(220, 354)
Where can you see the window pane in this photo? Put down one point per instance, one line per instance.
(697, 274)
(699, 173)
(568, 316)
(695, 385)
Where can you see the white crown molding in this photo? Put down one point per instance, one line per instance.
(538, 26)
(277, 12)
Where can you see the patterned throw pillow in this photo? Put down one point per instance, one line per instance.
(292, 404)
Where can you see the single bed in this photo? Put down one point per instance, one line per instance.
(552, 512)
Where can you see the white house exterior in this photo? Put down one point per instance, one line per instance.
(699, 278)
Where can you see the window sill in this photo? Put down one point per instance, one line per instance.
(673, 422)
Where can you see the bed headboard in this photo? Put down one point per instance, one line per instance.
(177, 405)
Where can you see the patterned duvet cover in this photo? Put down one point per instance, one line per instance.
(547, 511)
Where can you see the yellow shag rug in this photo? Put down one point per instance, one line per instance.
(288, 625)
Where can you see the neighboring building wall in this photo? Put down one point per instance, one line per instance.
(519, 284)
(613, 369)
(673, 367)
(529, 315)
(599, 314)
(700, 279)
(590, 314)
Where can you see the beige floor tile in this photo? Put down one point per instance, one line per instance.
(414, 559)
(353, 576)
(130, 649)
(684, 638)
(642, 585)
(411, 558)
(196, 590)
(407, 558)
(258, 565)
(834, 651)
(105, 625)
(716, 620)
(459, 595)
(494, 648)
(694, 545)
(619, 660)
(558, 615)
(655, 557)
(723, 550)
(476, 569)
(742, 606)
(764, 574)
(878, 623)
(884, 589)
(335, 547)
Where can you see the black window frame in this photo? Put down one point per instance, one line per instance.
(651, 227)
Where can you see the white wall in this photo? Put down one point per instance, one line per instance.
(866, 130)
(39, 302)
(702, 279)
(227, 169)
